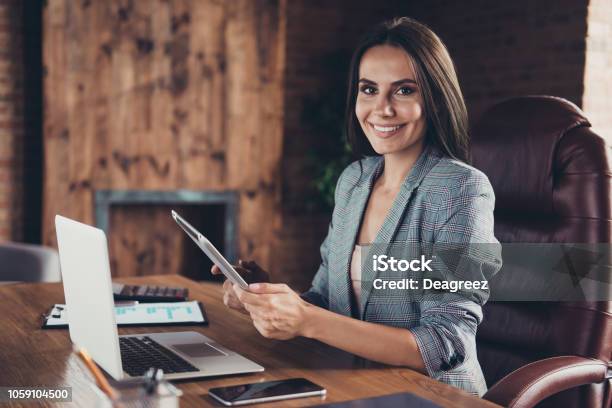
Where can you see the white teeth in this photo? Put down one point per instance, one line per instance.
(386, 128)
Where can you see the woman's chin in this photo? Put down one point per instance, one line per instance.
(382, 152)
(382, 149)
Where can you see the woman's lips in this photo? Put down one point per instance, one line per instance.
(385, 131)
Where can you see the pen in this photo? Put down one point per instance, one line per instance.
(95, 371)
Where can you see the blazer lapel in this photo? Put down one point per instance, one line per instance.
(428, 159)
(348, 237)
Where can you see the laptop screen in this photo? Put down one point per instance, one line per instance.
(86, 276)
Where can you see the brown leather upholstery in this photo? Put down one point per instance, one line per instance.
(536, 381)
(553, 182)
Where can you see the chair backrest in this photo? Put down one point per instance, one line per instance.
(553, 183)
(28, 263)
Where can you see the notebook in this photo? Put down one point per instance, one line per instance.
(141, 314)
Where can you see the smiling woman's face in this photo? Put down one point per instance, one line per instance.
(389, 104)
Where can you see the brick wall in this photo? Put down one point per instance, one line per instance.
(11, 120)
(510, 48)
(597, 100)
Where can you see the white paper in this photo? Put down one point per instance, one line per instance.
(142, 313)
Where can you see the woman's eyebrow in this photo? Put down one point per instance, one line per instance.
(401, 81)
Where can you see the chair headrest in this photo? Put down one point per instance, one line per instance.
(515, 144)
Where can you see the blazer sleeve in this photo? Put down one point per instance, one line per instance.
(446, 334)
(318, 294)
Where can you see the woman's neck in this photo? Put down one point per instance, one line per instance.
(398, 165)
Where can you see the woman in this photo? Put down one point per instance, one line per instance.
(406, 115)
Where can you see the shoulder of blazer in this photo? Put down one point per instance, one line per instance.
(459, 178)
(355, 174)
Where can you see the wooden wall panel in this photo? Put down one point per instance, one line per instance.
(164, 95)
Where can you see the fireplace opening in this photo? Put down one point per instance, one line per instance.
(210, 221)
(145, 240)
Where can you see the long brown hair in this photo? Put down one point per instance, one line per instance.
(446, 114)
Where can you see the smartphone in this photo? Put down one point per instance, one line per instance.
(209, 249)
(266, 391)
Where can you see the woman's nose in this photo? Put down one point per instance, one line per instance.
(384, 108)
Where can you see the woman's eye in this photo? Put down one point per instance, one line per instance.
(404, 91)
(368, 90)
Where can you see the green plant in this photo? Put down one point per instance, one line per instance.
(327, 174)
(329, 153)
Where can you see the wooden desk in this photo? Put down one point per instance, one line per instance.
(30, 356)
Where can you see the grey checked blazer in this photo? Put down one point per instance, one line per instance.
(441, 201)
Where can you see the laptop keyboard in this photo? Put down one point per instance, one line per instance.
(138, 354)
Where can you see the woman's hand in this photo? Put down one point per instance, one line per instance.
(251, 272)
(277, 311)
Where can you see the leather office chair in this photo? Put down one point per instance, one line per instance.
(28, 263)
(553, 184)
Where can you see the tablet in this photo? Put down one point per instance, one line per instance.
(209, 249)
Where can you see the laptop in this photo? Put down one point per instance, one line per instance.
(86, 276)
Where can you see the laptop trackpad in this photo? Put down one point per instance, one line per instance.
(197, 350)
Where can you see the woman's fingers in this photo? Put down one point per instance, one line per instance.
(268, 288)
(258, 314)
(244, 272)
(250, 298)
(230, 299)
(227, 286)
(236, 298)
(260, 328)
(265, 328)
(249, 270)
(215, 270)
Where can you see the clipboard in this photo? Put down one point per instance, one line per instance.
(190, 313)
